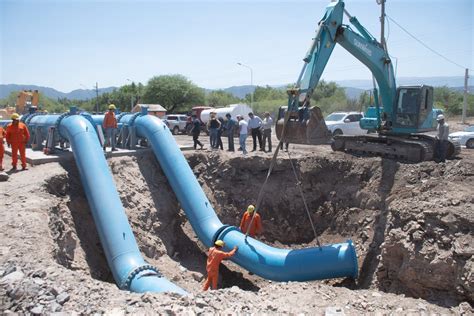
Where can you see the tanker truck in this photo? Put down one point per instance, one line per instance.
(203, 114)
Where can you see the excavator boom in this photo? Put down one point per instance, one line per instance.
(405, 111)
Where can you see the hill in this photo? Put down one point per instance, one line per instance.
(79, 94)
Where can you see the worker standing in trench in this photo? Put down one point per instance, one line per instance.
(214, 258)
(17, 136)
(256, 227)
(110, 126)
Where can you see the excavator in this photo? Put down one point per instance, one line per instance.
(25, 99)
(399, 123)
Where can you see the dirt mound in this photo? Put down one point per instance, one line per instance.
(411, 224)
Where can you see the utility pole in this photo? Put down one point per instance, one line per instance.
(464, 101)
(97, 98)
(382, 24)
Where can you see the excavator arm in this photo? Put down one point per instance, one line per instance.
(362, 46)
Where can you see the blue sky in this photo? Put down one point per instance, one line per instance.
(71, 44)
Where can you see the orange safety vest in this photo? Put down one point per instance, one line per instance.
(17, 133)
(214, 258)
(109, 120)
(256, 227)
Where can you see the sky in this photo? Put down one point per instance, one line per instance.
(73, 44)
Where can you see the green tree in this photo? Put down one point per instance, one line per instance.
(173, 92)
(221, 98)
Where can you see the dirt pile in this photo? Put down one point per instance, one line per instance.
(412, 226)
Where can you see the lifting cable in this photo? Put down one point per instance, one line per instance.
(270, 169)
(298, 184)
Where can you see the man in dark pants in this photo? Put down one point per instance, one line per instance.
(442, 137)
(230, 128)
(196, 131)
(255, 125)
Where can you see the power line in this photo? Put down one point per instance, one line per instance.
(426, 46)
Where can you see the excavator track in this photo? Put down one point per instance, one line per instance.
(413, 148)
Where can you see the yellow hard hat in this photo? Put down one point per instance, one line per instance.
(219, 243)
(15, 116)
(251, 208)
(112, 107)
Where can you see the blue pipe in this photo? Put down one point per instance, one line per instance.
(129, 269)
(330, 261)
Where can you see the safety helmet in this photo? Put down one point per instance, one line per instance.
(250, 208)
(219, 243)
(112, 107)
(440, 117)
(15, 116)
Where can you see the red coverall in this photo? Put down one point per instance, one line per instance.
(17, 136)
(256, 227)
(2, 149)
(214, 258)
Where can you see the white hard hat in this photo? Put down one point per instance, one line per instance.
(440, 117)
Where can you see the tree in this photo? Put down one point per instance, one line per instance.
(221, 98)
(173, 92)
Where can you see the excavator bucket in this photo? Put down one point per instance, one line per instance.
(310, 132)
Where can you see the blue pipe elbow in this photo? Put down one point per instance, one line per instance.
(330, 261)
(129, 269)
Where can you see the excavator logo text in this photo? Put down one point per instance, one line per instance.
(363, 47)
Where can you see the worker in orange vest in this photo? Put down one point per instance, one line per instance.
(214, 258)
(2, 149)
(256, 227)
(17, 136)
(110, 126)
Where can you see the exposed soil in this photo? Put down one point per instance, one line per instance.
(412, 225)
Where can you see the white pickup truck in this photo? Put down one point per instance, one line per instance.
(345, 123)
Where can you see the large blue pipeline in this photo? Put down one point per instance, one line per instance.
(128, 267)
(330, 261)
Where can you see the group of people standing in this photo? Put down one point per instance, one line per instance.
(261, 131)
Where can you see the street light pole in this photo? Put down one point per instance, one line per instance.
(131, 98)
(251, 82)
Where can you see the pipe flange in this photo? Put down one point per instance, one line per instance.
(134, 117)
(88, 117)
(27, 118)
(119, 117)
(132, 274)
(58, 121)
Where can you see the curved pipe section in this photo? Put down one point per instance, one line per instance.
(129, 269)
(330, 261)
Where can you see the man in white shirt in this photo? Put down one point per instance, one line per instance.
(267, 131)
(442, 137)
(243, 127)
(255, 125)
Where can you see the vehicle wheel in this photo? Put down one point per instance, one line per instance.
(175, 130)
(470, 143)
(337, 132)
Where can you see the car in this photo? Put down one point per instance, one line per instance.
(466, 138)
(176, 123)
(345, 123)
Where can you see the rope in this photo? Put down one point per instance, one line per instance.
(272, 164)
(298, 184)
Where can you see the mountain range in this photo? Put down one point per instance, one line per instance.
(353, 88)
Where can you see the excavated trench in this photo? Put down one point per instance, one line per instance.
(347, 199)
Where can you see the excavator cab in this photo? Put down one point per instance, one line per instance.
(413, 110)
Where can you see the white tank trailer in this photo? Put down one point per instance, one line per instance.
(234, 110)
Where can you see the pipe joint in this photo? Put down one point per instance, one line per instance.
(125, 285)
(119, 117)
(27, 118)
(133, 118)
(58, 122)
